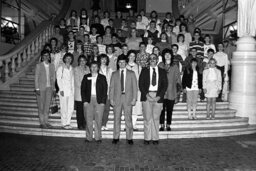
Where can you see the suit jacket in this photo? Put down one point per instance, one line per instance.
(188, 78)
(101, 89)
(40, 76)
(144, 83)
(131, 88)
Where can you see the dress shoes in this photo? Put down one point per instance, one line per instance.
(168, 128)
(98, 141)
(146, 142)
(115, 141)
(161, 128)
(156, 142)
(130, 142)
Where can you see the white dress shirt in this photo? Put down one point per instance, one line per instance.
(151, 87)
(47, 75)
(222, 60)
(124, 77)
(93, 87)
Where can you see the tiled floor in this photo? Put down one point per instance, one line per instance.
(34, 153)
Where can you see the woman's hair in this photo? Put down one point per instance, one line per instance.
(166, 37)
(156, 47)
(110, 46)
(72, 12)
(47, 45)
(180, 35)
(101, 56)
(82, 57)
(68, 55)
(55, 39)
(189, 67)
(184, 25)
(130, 52)
(151, 14)
(45, 51)
(212, 59)
(164, 52)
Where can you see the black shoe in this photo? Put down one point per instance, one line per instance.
(155, 142)
(136, 129)
(49, 125)
(130, 142)
(161, 128)
(98, 141)
(146, 142)
(43, 126)
(87, 141)
(115, 141)
(168, 128)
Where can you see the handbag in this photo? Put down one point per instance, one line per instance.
(54, 106)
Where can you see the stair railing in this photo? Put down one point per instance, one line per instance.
(17, 60)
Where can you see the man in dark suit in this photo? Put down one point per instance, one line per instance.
(123, 95)
(153, 84)
(94, 89)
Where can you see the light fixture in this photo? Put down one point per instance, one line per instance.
(128, 5)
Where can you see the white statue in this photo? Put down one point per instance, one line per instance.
(246, 18)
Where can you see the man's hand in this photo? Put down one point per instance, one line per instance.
(102, 104)
(156, 98)
(112, 102)
(86, 103)
(184, 91)
(38, 92)
(218, 91)
(149, 98)
(62, 93)
(200, 90)
(133, 102)
(205, 91)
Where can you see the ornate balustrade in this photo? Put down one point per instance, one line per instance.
(15, 63)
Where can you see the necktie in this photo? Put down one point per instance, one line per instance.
(154, 77)
(122, 80)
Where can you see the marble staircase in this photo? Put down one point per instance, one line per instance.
(18, 114)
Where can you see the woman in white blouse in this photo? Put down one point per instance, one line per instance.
(65, 80)
(187, 35)
(212, 86)
(79, 72)
(183, 47)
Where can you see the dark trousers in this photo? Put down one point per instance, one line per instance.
(79, 107)
(168, 108)
(106, 113)
(222, 80)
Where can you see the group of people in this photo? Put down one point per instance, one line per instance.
(137, 65)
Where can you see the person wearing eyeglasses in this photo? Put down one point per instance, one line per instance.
(212, 85)
(153, 84)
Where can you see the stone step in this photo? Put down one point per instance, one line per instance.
(27, 79)
(20, 101)
(176, 123)
(18, 88)
(33, 112)
(17, 97)
(29, 82)
(13, 93)
(174, 134)
(23, 85)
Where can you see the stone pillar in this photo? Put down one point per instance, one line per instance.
(243, 86)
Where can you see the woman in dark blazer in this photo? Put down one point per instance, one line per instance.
(174, 81)
(192, 85)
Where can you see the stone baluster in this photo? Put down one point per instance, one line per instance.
(29, 52)
(36, 45)
(40, 42)
(33, 48)
(13, 66)
(6, 70)
(1, 65)
(24, 57)
(19, 61)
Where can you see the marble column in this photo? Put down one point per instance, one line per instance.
(243, 86)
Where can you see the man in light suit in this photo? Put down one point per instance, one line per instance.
(45, 87)
(123, 95)
(153, 84)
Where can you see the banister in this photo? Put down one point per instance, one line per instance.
(16, 61)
